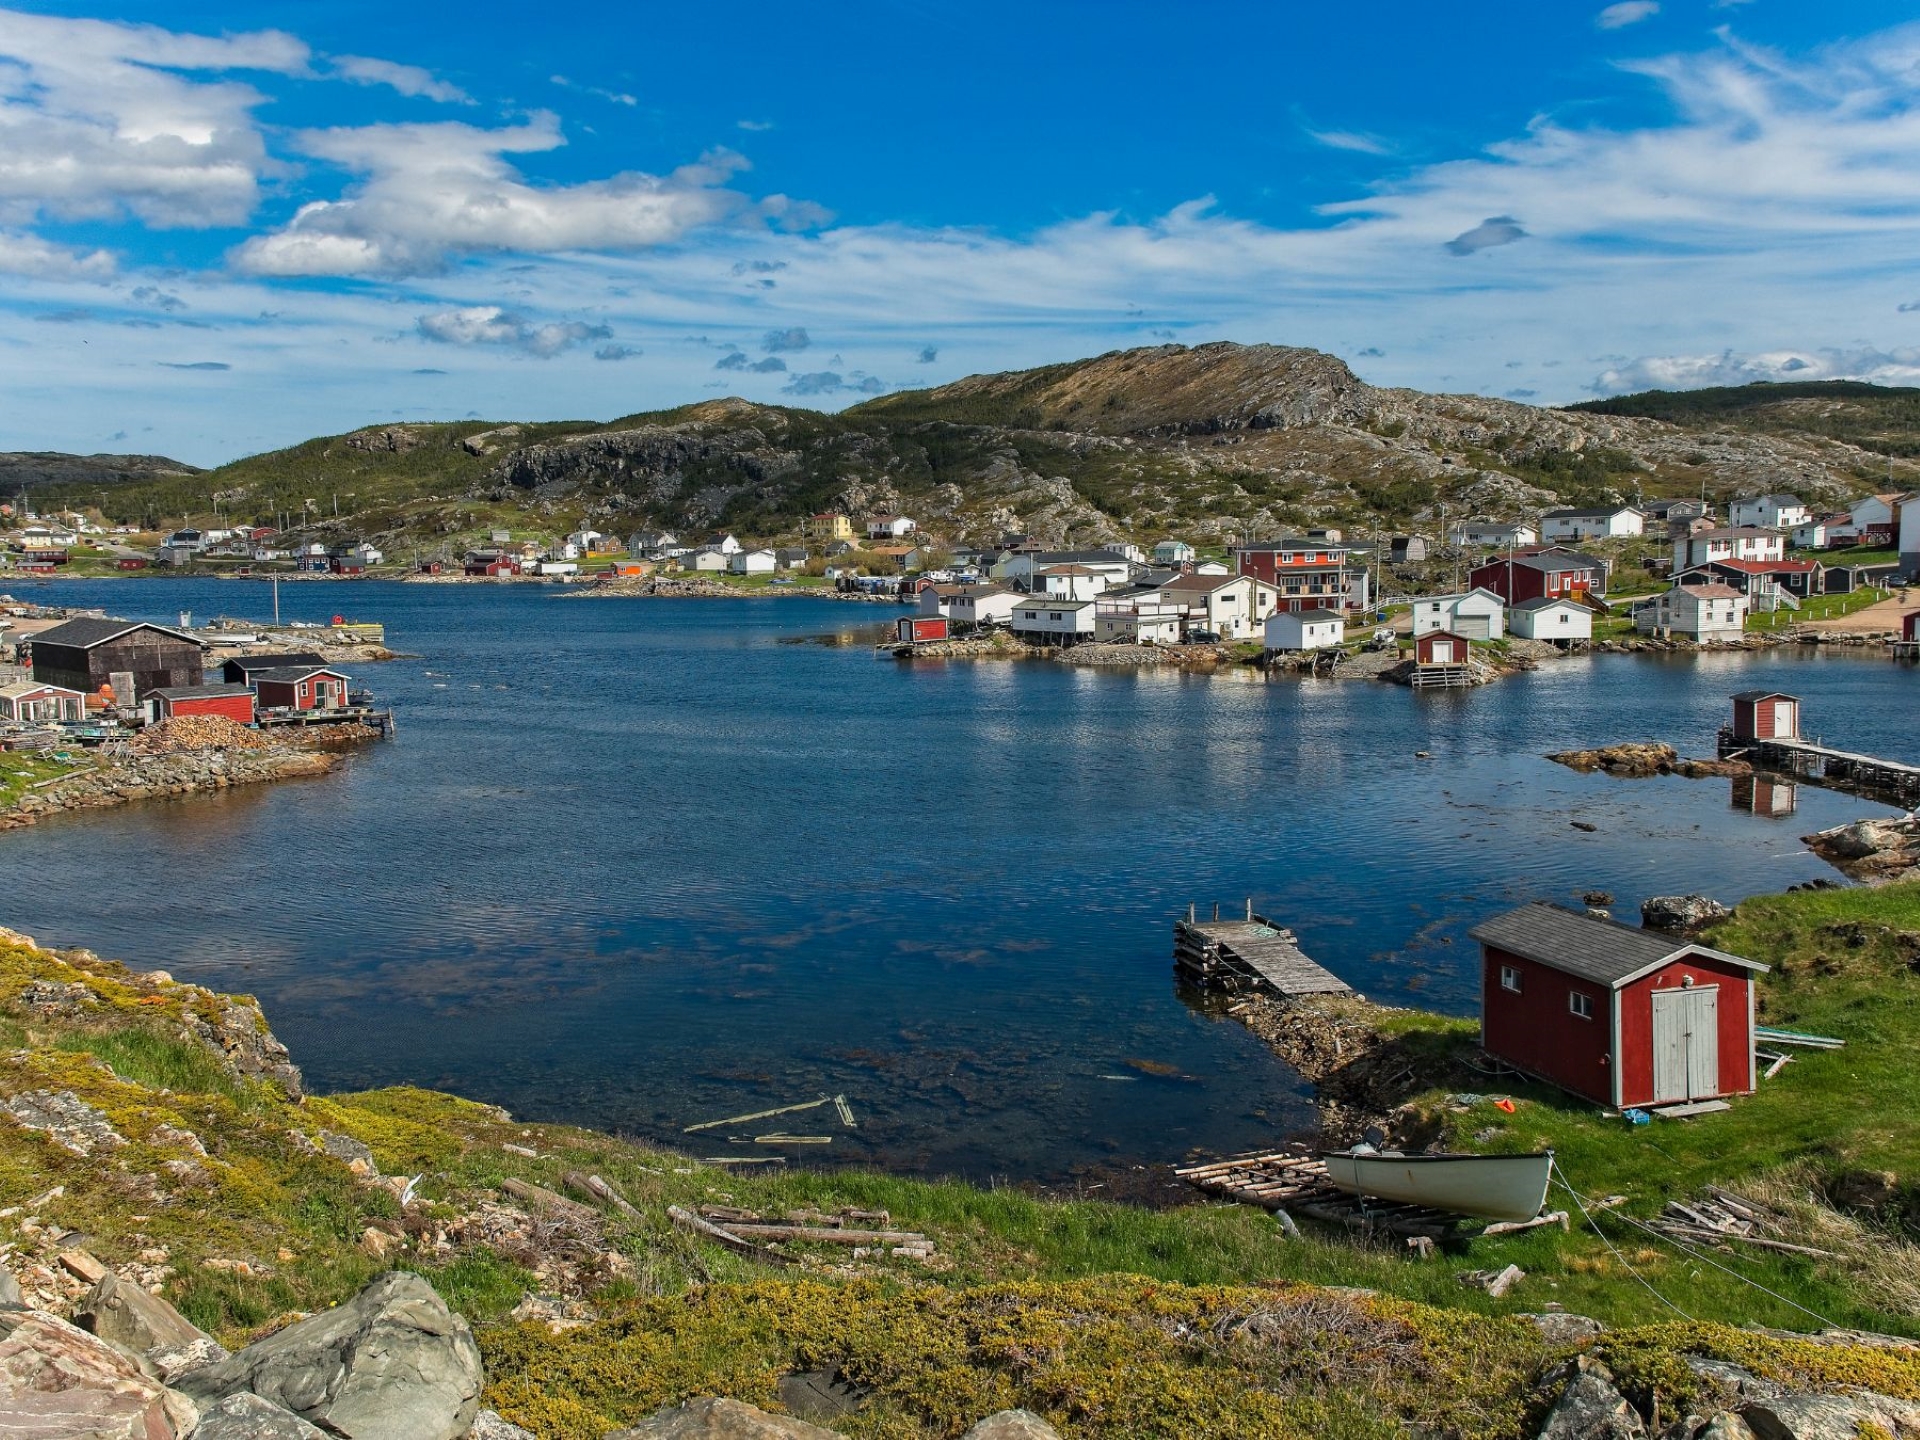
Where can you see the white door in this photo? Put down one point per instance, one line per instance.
(1783, 719)
(1443, 652)
(1686, 1045)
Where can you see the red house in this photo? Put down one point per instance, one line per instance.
(235, 702)
(1910, 627)
(1309, 574)
(300, 687)
(131, 562)
(1551, 574)
(1765, 715)
(1621, 1016)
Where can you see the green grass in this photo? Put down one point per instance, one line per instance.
(1818, 607)
(20, 771)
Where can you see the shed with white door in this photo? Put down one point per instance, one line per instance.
(1765, 715)
(1620, 1015)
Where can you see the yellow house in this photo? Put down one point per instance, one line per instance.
(830, 525)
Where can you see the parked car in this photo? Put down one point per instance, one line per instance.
(1203, 637)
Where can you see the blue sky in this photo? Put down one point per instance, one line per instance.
(226, 228)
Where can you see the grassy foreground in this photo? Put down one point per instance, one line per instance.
(1110, 1320)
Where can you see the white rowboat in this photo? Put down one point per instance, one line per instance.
(1493, 1187)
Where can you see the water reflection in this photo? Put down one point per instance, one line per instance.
(1765, 795)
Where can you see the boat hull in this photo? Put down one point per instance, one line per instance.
(1491, 1187)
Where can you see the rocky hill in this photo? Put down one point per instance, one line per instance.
(1207, 442)
(34, 469)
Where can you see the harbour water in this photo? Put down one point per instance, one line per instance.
(638, 864)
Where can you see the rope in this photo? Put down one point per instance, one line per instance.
(1684, 1249)
(1560, 1176)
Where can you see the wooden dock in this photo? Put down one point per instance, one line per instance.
(1866, 775)
(1245, 953)
(381, 720)
(1440, 677)
(1292, 1180)
(1906, 649)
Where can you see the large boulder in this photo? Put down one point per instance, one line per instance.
(248, 1417)
(1012, 1425)
(10, 1296)
(1589, 1407)
(59, 1383)
(1830, 1417)
(711, 1419)
(489, 1425)
(127, 1316)
(393, 1363)
(1682, 914)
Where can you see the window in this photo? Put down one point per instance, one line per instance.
(1581, 1005)
(1510, 978)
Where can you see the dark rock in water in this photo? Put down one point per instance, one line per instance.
(1583, 825)
(1598, 897)
(1681, 913)
(248, 1417)
(1589, 1407)
(127, 1316)
(1012, 1425)
(393, 1363)
(58, 1381)
(713, 1419)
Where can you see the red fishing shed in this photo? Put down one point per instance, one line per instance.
(1766, 715)
(1619, 1015)
(235, 702)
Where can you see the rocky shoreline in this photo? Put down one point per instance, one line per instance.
(1871, 851)
(1639, 760)
(173, 774)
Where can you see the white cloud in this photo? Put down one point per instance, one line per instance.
(409, 80)
(1627, 12)
(492, 325)
(1899, 366)
(97, 119)
(1355, 140)
(431, 192)
(30, 255)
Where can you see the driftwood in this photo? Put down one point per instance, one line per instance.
(600, 1190)
(1514, 1227)
(827, 1235)
(726, 1239)
(542, 1198)
(759, 1115)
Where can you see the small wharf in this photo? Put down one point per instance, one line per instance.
(1906, 649)
(381, 720)
(1284, 1181)
(1440, 677)
(1237, 954)
(1865, 775)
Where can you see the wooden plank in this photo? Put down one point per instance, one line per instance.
(687, 1220)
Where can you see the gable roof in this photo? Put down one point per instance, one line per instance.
(1604, 951)
(1315, 616)
(1758, 567)
(20, 689)
(1291, 542)
(289, 674)
(199, 692)
(1597, 512)
(1053, 602)
(1736, 532)
(1542, 602)
(85, 634)
(272, 660)
(1766, 695)
(1716, 591)
(1550, 561)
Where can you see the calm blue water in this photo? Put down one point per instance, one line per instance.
(639, 863)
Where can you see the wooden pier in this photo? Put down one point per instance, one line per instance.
(1292, 1180)
(1440, 677)
(1906, 649)
(381, 720)
(1246, 953)
(1864, 775)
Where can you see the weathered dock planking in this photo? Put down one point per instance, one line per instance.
(1237, 954)
(1287, 1180)
(1843, 770)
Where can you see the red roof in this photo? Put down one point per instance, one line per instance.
(1763, 567)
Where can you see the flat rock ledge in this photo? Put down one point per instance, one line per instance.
(1640, 760)
(159, 777)
(1871, 850)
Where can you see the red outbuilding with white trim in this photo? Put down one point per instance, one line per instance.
(1766, 715)
(234, 702)
(300, 687)
(1622, 1016)
(918, 629)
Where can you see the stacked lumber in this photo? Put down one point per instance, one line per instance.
(1725, 1220)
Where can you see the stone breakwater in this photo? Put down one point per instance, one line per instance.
(159, 777)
